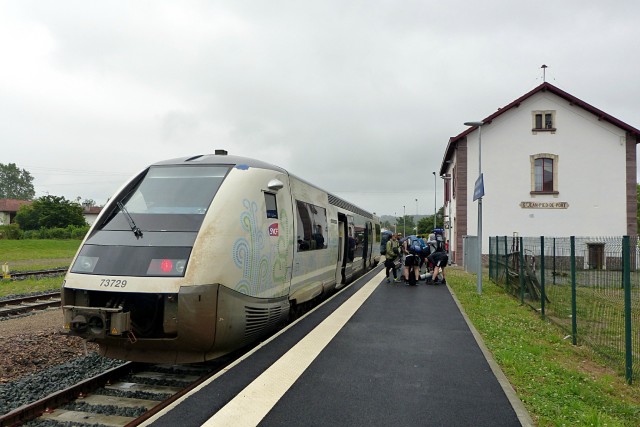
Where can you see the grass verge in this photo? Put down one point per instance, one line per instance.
(30, 255)
(25, 255)
(28, 286)
(20, 250)
(559, 384)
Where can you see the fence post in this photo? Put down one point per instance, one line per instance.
(574, 321)
(626, 268)
(496, 265)
(493, 255)
(554, 260)
(521, 272)
(506, 263)
(543, 295)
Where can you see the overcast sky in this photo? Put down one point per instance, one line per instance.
(357, 97)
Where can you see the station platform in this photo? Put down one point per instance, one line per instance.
(376, 354)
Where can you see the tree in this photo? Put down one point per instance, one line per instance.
(15, 183)
(406, 225)
(50, 212)
(425, 225)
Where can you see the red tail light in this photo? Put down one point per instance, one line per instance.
(167, 267)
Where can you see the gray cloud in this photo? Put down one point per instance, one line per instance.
(358, 97)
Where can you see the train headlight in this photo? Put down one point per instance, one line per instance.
(167, 267)
(84, 264)
(180, 265)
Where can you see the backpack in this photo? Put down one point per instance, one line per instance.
(416, 245)
(439, 238)
(386, 236)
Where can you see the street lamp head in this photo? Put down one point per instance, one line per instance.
(473, 123)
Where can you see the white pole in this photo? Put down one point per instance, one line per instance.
(404, 221)
(435, 208)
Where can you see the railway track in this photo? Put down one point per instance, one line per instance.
(126, 395)
(25, 304)
(19, 275)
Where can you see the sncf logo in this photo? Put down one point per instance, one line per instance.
(273, 230)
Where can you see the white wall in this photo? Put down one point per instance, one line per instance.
(591, 173)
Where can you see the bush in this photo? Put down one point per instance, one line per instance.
(58, 233)
(34, 234)
(13, 232)
(10, 232)
(78, 233)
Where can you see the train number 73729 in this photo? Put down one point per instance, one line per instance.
(113, 283)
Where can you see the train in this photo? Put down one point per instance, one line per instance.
(199, 256)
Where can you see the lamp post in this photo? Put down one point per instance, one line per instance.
(478, 192)
(395, 223)
(435, 206)
(404, 221)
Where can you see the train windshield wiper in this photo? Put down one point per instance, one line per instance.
(136, 231)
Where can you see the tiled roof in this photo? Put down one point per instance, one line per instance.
(12, 205)
(544, 87)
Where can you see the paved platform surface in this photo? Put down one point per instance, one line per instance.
(376, 354)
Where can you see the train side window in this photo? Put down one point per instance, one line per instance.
(312, 226)
(271, 205)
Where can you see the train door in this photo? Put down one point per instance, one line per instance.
(352, 247)
(370, 239)
(280, 225)
(340, 266)
(348, 246)
(366, 249)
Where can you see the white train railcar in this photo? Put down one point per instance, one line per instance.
(195, 257)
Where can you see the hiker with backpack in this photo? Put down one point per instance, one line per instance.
(439, 259)
(424, 253)
(411, 249)
(391, 254)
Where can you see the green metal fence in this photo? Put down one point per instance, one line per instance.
(590, 286)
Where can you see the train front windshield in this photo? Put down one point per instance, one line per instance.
(153, 223)
(170, 198)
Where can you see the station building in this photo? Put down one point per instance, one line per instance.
(552, 165)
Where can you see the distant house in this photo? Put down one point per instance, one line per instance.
(90, 213)
(9, 208)
(552, 164)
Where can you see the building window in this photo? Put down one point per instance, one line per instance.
(544, 173)
(453, 174)
(544, 121)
